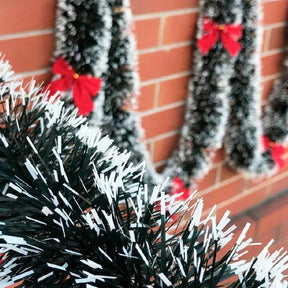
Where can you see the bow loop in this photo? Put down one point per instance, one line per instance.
(84, 87)
(62, 68)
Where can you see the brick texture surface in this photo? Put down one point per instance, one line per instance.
(164, 30)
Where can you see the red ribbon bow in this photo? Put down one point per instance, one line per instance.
(228, 33)
(84, 87)
(179, 187)
(277, 151)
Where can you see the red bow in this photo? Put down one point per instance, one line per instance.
(277, 151)
(179, 187)
(228, 33)
(84, 87)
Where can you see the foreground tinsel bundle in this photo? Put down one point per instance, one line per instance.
(75, 213)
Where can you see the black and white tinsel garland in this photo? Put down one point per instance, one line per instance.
(108, 51)
(244, 132)
(276, 113)
(83, 39)
(122, 88)
(207, 105)
(75, 213)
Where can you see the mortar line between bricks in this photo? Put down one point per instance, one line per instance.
(275, 25)
(26, 34)
(241, 195)
(278, 177)
(217, 185)
(271, 77)
(160, 163)
(272, 52)
(161, 109)
(161, 136)
(166, 47)
(165, 13)
(161, 31)
(267, 44)
(165, 78)
(264, 1)
(33, 73)
(156, 96)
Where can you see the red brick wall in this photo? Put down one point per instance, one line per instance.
(164, 29)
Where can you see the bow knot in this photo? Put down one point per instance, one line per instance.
(84, 87)
(277, 151)
(228, 33)
(76, 76)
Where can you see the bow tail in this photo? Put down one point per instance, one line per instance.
(277, 153)
(232, 46)
(206, 43)
(82, 99)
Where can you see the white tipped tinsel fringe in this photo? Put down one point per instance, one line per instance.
(117, 178)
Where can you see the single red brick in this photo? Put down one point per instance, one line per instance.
(223, 193)
(272, 219)
(271, 64)
(219, 156)
(247, 201)
(279, 185)
(227, 172)
(179, 28)
(163, 122)
(275, 11)
(166, 62)
(147, 32)
(30, 53)
(151, 6)
(26, 15)
(146, 98)
(282, 234)
(208, 180)
(164, 148)
(278, 38)
(173, 91)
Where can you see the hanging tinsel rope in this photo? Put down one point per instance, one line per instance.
(207, 105)
(243, 139)
(83, 39)
(122, 87)
(276, 112)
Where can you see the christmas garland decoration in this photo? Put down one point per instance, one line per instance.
(83, 39)
(244, 132)
(207, 105)
(223, 104)
(110, 55)
(276, 113)
(75, 213)
(122, 88)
